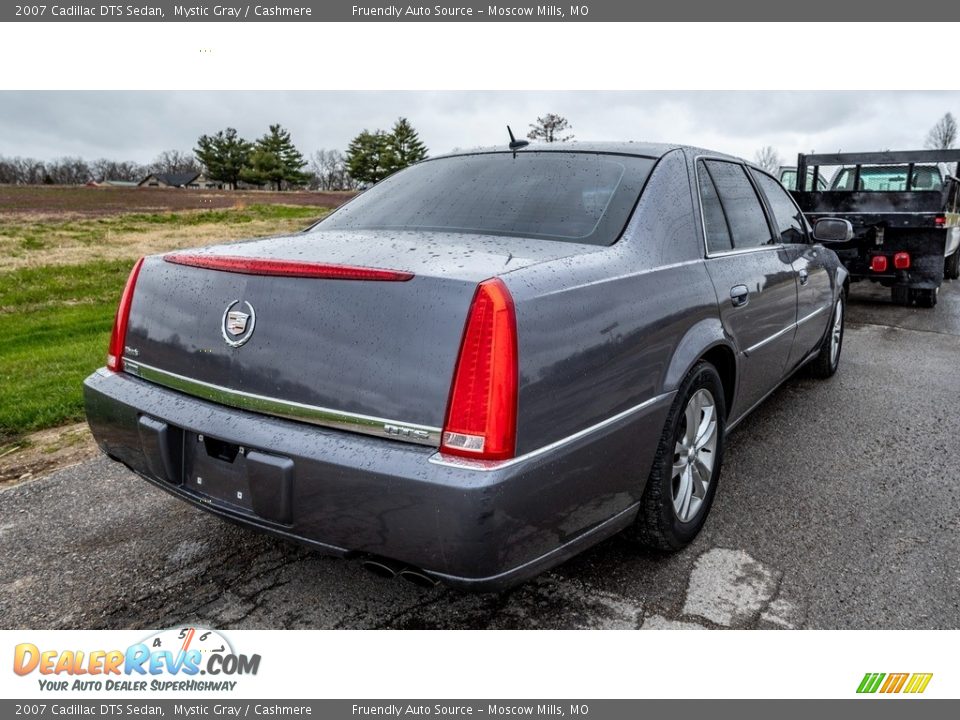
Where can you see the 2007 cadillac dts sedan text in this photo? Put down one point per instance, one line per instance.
(480, 366)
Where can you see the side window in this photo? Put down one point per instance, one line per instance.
(714, 221)
(745, 216)
(787, 216)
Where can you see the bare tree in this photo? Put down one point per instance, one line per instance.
(768, 158)
(67, 171)
(943, 135)
(549, 128)
(328, 169)
(174, 161)
(104, 169)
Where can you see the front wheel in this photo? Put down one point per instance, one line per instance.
(686, 468)
(827, 361)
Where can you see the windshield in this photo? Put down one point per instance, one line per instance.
(889, 178)
(568, 196)
(788, 178)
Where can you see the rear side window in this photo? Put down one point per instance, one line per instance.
(787, 216)
(714, 221)
(741, 206)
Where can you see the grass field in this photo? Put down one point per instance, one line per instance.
(64, 268)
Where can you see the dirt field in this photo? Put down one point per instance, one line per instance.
(94, 202)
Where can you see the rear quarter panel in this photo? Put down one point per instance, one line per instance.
(604, 332)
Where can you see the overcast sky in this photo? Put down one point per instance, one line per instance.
(137, 126)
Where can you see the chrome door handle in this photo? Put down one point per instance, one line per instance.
(739, 295)
(804, 277)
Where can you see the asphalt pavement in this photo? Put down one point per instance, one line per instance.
(839, 507)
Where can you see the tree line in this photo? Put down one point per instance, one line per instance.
(77, 170)
(272, 161)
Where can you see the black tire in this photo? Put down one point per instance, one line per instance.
(825, 364)
(927, 298)
(658, 525)
(951, 268)
(900, 295)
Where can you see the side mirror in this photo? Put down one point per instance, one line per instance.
(832, 230)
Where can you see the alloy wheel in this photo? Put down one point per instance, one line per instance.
(694, 455)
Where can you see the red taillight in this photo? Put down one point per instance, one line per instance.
(940, 220)
(901, 260)
(482, 414)
(878, 263)
(286, 268)
(118, 337)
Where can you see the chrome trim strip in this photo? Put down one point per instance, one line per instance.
(463, 463)
(313, 414)
(744, 251)
(812, 315)
(787, 329)
(779, 333)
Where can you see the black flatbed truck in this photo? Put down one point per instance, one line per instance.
(905, 213)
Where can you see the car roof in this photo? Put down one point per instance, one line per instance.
(641, 149)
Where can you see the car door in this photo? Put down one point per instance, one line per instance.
(753, 276)
(814, 287)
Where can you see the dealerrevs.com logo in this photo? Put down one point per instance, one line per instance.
(892, 683)
(169, 660)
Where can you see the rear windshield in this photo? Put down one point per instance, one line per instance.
(568, 196)
(888, 178)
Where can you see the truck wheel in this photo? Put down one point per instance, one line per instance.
(900, 295)
(827, 361)
(951, 268)
(927, 298)
(686, 468)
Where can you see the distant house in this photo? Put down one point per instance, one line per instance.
(193, 180)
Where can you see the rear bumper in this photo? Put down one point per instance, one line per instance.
(351, 495)
(927, 248)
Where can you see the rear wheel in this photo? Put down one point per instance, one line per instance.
(827, 361)
(926, 298)
(686, 468)
(951, 268)
(900, 295)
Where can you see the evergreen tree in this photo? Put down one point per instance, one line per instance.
(275, 159)
(224, 155)
(405, 145)
(369, 157)
(372, 156)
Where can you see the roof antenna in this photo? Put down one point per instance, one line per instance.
(516, 144)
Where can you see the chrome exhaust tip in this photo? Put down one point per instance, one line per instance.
(418, 578)
(382, 568)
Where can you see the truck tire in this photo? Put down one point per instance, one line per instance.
(926, 298)
(951, 268)
(900, 295)
(681, 487)
(825, 364)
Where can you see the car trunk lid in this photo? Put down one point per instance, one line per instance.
(369, 355)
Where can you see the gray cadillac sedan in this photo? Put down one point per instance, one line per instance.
(481, 366)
